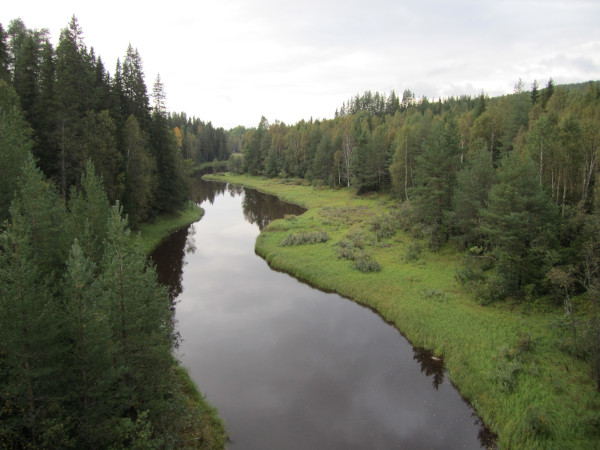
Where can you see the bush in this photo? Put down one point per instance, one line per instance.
(315, 237)
(413, 252)
(367, 265)
(345, 249)
(383, 226)
(360, 239)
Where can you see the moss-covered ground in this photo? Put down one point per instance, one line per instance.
(507, 359)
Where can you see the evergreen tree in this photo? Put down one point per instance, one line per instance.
(547, 92)
(15, 146)
(519, 223)
(139, 167)
(141, 327)
(471, 196)
(31, 255)
(535, 93)
(72, 94)
(89, 370)
(170, 189)
(4, 56)
(100, 144)
(89, 212)
(134, 88)
(435, 179)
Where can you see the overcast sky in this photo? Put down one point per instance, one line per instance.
(232, 61)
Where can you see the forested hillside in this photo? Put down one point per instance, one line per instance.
(78, 111)
(87, 337)
(510, 181)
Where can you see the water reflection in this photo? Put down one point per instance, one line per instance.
(289, 366)
(261, 209)
(431, 366)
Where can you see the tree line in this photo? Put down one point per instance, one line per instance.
(512, 181)
(86, 331)
(78, 111)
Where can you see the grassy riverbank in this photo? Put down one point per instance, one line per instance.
(204, 428)
(506, 359)
(154, 232)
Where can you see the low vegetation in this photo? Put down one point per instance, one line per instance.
(152, 233)
(513, 361)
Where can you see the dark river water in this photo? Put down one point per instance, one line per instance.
(289, 366)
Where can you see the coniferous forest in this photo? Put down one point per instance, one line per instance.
(86, 332)
(87, 336)
(512, 181)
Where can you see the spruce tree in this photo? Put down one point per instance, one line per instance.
(15, 146)
(4, 55)
(435, 179)
(519, 223)
(31, 256)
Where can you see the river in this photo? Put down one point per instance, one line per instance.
(289, 366)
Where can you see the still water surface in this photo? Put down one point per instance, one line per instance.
(289, 366)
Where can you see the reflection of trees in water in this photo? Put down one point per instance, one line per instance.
(261, 208)
(433, 366)
(201, 191)
(430, 365)
(487, 438)
(234, 190)
(168, 257)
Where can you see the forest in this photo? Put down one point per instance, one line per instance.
(86, 331)
(87, 337)
(511, 182)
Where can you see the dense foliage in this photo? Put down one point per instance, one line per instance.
(86, 331)
(512, 181)
(78, 111)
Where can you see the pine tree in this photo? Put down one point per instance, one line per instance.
(4, 56)
(519, 223)
(471, 196)
(73, 97)
(535, 93)
(100, 145)
(90, 377)
(31, 256)
(435, 179)
(15, 146)
(134, 88)
(89, 212)
(142, 326)
(170, 188)
(139, 167)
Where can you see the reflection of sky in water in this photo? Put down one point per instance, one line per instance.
(291, 367)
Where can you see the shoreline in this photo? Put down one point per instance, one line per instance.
(153, 233)
(502, 358)
(206, 428)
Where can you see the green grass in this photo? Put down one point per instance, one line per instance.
(204, 428)
(505, 359)
(210, 164)
(153, 233)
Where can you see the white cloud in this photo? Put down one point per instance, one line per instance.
(231, 61)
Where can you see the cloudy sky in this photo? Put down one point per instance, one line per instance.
(232, 61)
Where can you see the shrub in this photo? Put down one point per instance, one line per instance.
(345, 249)
(315, 237)
(367, 265)
(413, 252)
(383, 226)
